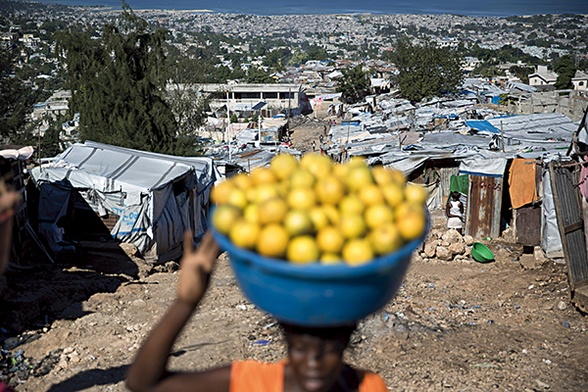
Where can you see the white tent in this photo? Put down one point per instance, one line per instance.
(156, 197)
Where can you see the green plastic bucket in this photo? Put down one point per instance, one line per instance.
(481, 253)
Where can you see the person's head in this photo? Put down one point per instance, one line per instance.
(455, 195)
(316, 354)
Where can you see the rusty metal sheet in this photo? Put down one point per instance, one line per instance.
(527, 225)
(483, 207)
(568, 209)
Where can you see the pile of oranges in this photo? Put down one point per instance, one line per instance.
(315, 210)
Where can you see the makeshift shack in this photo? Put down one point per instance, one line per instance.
(143, 198)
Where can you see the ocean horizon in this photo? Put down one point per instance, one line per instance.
(497, 8)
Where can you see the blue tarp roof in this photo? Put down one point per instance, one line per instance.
(482, 126)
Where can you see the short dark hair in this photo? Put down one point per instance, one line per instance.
(344, 331)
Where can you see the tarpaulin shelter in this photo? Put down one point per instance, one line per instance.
(155, 198)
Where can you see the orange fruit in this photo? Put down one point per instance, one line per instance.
(330, 259)
(302, 250)
(301, 178)
(319, 217)
(393, 193)
(357, 251)
(263, 175)
(370, 194)
(377, 215)
(398, 177)
(411, 224)
(220, 192)
(242, 181)
(301, 198)
(340, 171)
(416, 194)
(318, 165)
(332, 213)
(358, 177)
(298, 222)
(352, 225)
(251, 213)
(356, 161)
(237, 198)
(273, 241)
(283, 165)
(351, 204)
(224, 216)
(330, 240)
(385, 239)
(244, 234)
(265, 192)
(382, 175)
(272, 210)
(329, 190)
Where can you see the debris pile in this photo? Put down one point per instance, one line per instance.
(447, 245)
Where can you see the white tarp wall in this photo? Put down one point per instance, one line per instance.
(550, 237)
(156, 197)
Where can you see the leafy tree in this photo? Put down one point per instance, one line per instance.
(317, 53)
(258, 75)
(15, 100)
(299, 57)
(233, 118)
(489, 71)
(117, 84)
(426, 71)
(565, 69)
(522, 72)
(50, 144)
(353, 85)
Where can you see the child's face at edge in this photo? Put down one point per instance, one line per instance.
(315, 362)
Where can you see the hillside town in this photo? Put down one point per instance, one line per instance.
(509, 142)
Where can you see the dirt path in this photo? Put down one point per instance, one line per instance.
(453, 326)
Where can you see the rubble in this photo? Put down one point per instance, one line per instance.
(447, 245)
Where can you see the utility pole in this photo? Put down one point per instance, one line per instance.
(229, 127)
(502, 135)
(288, 118)
(259, 128)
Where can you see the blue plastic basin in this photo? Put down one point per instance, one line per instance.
(315, 294)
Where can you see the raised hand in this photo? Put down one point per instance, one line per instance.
(195, 268)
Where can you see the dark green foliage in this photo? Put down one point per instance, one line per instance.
(50, 145)
(489, 71)
(15, 100)
(117, 84)
(258, 75)
(506, 54)
(522, 72)
(354, 85)
(317, 53)
(565, 69)
(426, 71)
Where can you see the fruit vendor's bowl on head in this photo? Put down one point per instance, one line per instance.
(318, 243)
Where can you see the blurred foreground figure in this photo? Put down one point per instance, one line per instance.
(8, 200)
(315, 355)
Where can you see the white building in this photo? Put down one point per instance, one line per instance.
(542, 77)
(580, 81)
